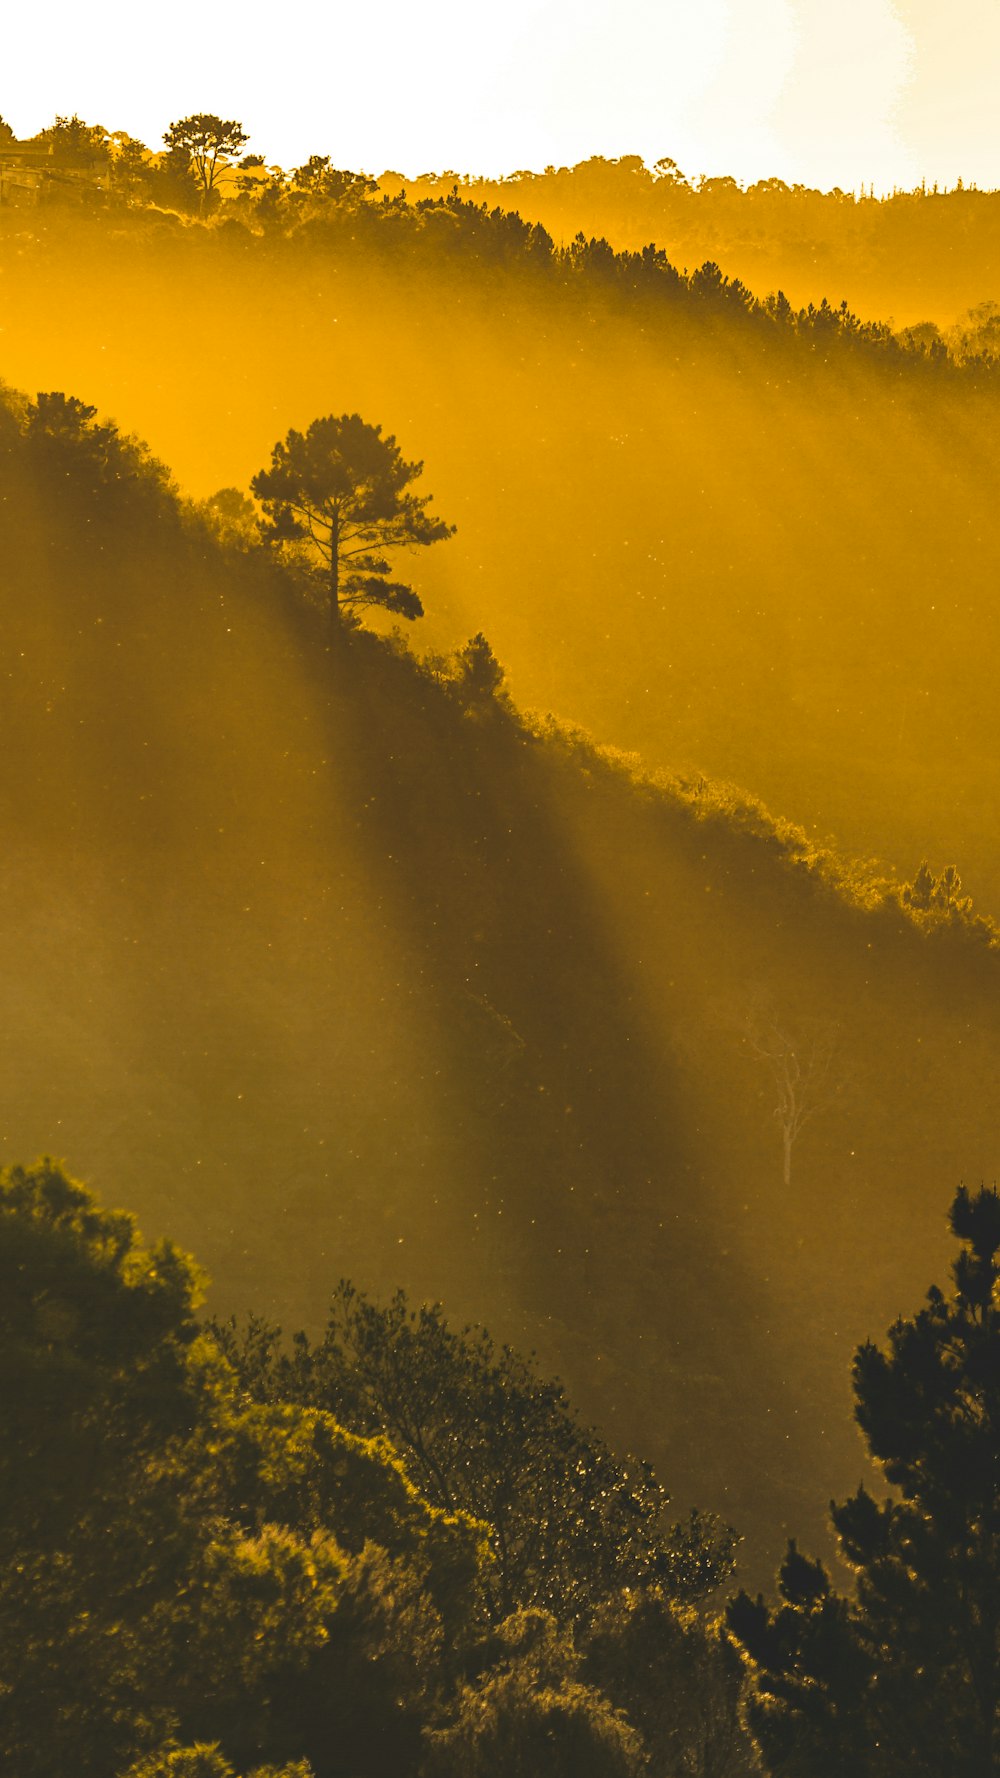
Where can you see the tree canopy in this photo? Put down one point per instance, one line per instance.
(342, 490)
(211, 144)
(168, 1554)
(479, 1431)
(204, 1572)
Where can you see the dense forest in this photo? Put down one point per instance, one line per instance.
(925, 259)
(468, 1051)
(397, 1549)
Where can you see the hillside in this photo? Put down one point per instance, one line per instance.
(786, 572)
(922, 256)
(333, 964)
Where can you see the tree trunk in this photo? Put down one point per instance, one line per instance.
(787, 1139)
(335, 574)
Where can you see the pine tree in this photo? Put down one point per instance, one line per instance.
(342, 491)
(903, 1678)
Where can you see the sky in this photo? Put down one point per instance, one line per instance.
(880, 92)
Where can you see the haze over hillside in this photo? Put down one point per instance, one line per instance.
(756, 544)
(918, 256)
(561, 1104)
(760, 550)
(327, 965)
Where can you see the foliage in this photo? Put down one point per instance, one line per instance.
(170, 1558)
(296, 1465)
(905, 1676)
(345, 210)
(318, 180)
(936, 901)
(531, 1714)
(210, 144)
(477, 673)
(342, 490)
(481, 1433)
(205, 1761)
(102, 474)
(103, 1378)
(363, 1703)
(131, 167)
(930, 904)
(195, 1581)
(624, 208)
(292, 1646)
(925, 248)
(173, 182)
(677, 1679)
(75, 143)
(232, 516)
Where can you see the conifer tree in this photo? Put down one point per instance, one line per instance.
(903, 1678)
(343, 491)
(210, 145)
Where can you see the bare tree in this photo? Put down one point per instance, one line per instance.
(800, 1061)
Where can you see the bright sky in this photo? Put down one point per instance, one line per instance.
(828, 92)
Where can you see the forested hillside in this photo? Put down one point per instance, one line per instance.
(916, 257)
(329, 963)
(749, 543)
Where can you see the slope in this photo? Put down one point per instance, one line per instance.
(916, 256)
(764, 553)
(326, 963)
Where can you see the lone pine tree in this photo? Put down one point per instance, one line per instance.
(903, 1678)
(210, 144)
(343, 491)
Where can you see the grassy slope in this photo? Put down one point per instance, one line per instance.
(325, 968)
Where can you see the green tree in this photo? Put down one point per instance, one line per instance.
(476, 672)
(937, 900)
(75, 143)
(211, 144)
(362, 1703)
(678, 1680)
(342, 490)
(101, 1381)
(173, 183)
(205, 1760)
(903, 1677)
(480, 1433)
(316, 178)
(531, 1714)
(131, 166)
(99, 471)
(178, 1565)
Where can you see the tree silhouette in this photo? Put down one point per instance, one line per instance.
(341, 488)
(937, 899)
(904, 1677)
(211, 142)
(75, 143)
(318, 179)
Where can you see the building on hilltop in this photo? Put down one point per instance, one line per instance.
(33, 171)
